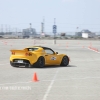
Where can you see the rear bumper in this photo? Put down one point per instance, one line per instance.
(19, 64)
(30, 60)
(16, 63)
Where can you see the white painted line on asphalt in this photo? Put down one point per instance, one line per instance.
(80, 78)
(93, 50)
(15, 83)
(52, 81)
(86, 60)
(57, 95)
(4, 64)
(50, 86)
(74, 79)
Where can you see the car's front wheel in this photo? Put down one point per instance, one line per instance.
(65, 61)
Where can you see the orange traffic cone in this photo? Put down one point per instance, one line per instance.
(35, 79)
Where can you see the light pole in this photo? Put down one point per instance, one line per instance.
(54, 30)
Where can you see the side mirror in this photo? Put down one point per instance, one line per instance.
(56, 52)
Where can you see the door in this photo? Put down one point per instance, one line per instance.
(51, 57)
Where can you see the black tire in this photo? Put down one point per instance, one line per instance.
(40, 62)
(13, 65)
(65, 61)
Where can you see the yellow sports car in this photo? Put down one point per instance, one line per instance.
(37, 56)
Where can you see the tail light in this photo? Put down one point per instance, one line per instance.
(13, 53)
(28, 54)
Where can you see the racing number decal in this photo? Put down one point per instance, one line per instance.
(53, 58)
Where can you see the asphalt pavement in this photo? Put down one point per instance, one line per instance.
(80, 80)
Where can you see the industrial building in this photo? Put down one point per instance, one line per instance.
(29, 32)
(85, 34)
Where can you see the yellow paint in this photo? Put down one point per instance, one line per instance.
(20, 54)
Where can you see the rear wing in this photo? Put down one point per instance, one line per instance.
(21, 52)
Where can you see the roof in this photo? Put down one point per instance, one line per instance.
(41, 47)
(86, 31)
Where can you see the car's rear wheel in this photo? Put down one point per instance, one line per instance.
(65, 61)
(40, 62)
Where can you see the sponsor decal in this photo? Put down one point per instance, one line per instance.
(53, 58)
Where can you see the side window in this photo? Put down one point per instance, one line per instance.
(32, 49)
(48, 51)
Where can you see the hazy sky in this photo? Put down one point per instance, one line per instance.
(69, 14)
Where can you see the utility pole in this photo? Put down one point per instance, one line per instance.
(9, 29)
(2, 28)
(30, 25)
(54, 30)
(6, 28)
(54, 21)
(16, 30)
(43, 24)
(30, 30)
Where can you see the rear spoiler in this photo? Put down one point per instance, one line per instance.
(21, 52)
